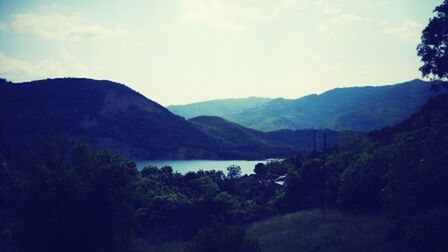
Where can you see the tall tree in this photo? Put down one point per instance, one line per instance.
(434, 45)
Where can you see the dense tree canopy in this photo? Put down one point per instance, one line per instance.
(95, 201)
(434, 45)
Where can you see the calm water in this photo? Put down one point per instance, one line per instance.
(184, 166)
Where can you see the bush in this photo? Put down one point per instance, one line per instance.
(219, 237)
(76, 200)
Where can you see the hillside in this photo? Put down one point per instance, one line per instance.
(222, 107)
(272, 143)
(112, 115)
(228, 133)
(355, 108)
(102, 112)
(399, 172)
(318, 231)
(313, 231)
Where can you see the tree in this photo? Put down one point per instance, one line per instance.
(434, 45)
(75, 199)
(260, 170)
(233, 172)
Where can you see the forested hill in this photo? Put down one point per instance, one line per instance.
(112, 115)
(354, 108)
(102, 112)
(399, 172)
(221, 108)
(234, 136)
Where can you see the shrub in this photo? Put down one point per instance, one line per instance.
(219, 237)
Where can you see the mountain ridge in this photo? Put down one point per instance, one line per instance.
(112, 115)
(217, 107)
(102, 112)
(360, 108)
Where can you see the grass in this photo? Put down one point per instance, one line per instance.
(166, 247)
(318, 231)
(311, 231)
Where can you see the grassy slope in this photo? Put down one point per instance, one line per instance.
(316, 231)
(167, 247)
(312, 231)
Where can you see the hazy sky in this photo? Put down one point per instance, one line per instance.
(181, 51)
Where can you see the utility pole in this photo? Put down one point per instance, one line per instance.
(324, 169)
(325, 142)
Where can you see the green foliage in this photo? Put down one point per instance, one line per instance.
(362, 181)
(219, 237)
(75, 199)
(277, 167)
(174, 206)
(9, 190)
(433, 48)
(305, 185)
(96, 201)
(260, 170)
(400, 171)
(316, 231)
(233, 172)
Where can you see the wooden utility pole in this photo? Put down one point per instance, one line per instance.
(324, 170)
(325, 142)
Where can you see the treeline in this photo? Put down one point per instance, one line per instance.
(400, 172)
(75, 198)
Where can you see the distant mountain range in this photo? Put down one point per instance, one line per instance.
(354, 108)
(110, 114)
(221, 108)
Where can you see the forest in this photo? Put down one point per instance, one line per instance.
(71, 197)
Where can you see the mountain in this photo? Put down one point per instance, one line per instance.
(242, 139)
(354, 108)
(220, 108)
(428, 125)
(102, 112)
(110, 114)
(228, 133)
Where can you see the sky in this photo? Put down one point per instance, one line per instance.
(183, 51)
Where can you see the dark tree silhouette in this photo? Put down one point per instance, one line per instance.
(433, 48)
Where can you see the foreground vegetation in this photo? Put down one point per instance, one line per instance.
(312, 230)
(389, 184)
(319, 230)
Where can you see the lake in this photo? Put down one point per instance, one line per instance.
(184, 166)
